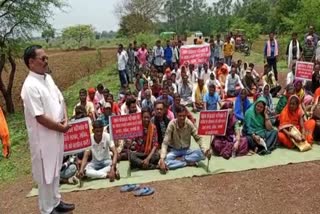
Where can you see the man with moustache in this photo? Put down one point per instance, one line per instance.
(46, 121)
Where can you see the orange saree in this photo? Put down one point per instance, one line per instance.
(4, 134)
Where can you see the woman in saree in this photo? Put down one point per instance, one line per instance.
(312, 126)
(290, 117)
(232, 143)
(242, 104)
(262, 138)
(290, 90)
(305, 99)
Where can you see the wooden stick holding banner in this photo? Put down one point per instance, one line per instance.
(124, 127)
(209, 158)
(213, 123)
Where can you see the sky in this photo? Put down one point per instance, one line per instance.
(99, 13)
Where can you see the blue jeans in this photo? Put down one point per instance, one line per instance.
(123, 77)
(228, 60)
(187, 155)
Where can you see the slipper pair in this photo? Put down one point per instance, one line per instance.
(137, 190)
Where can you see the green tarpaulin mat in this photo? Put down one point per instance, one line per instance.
(280, 156)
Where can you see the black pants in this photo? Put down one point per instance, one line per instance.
(136, 159)
(272, 63)
(275, 90)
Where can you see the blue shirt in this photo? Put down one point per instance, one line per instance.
(170, 99)
(211, 101)
(104, 119)
(168, 54)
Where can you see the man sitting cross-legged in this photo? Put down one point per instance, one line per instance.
(178, 138)
(101, 165)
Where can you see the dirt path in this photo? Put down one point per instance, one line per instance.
(285, 189)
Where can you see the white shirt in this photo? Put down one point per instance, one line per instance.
(205, 75)
(290, 78)
(193, 78)
(99, 96)
(122, 60)
(41, 96)
(215, 82)
(101, 150)
(231, 80)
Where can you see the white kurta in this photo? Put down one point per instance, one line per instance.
(41, 96)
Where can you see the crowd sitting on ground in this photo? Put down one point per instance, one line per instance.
(165, 92)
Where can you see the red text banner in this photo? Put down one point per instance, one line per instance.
(304, 70)
(126, 126)
(78, 137)
(213, 122)
(194, 54)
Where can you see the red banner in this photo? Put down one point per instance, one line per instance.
(78, 137)
(195, 54)
(213, 122)
(304, 70)
(126, 126)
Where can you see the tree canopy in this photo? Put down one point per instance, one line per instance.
(254, 16)
(78, 33)
(19, 18)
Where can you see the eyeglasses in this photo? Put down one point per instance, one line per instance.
(44, 58)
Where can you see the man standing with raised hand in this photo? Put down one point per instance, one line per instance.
(46, 121)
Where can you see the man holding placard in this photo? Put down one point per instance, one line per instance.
(178, 137)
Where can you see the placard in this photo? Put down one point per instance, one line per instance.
(78, 137)
(126, 126)
(195, 54)
(304, 70)
(213, 122)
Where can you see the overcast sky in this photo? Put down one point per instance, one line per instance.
(99, 13)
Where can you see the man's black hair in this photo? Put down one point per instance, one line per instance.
(30, 53)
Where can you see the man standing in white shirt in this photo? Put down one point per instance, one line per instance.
(122, 63)
(46, 121)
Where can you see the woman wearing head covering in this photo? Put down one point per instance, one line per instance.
(290, 90)
(258, 129)
(312, 126)
(291, 127)
(232, 142)
(242, 104)
(305, 99)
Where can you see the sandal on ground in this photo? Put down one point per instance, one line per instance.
(129, 187)
(145, 191)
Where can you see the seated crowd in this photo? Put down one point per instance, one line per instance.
(164, 94)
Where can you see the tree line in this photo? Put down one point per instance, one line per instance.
(184, 16)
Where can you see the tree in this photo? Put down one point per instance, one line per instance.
(18, 19)
(150, 9)
(78, 33)
(135, 23)
(48, 33)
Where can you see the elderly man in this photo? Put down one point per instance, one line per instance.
(46, 121)
(271, 53)
(149, 100)
(185, 91)
(178, 138)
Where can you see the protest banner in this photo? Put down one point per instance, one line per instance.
(195, 54)
(78, 137)
(126, 126)
(213, 122)
(304, 70)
